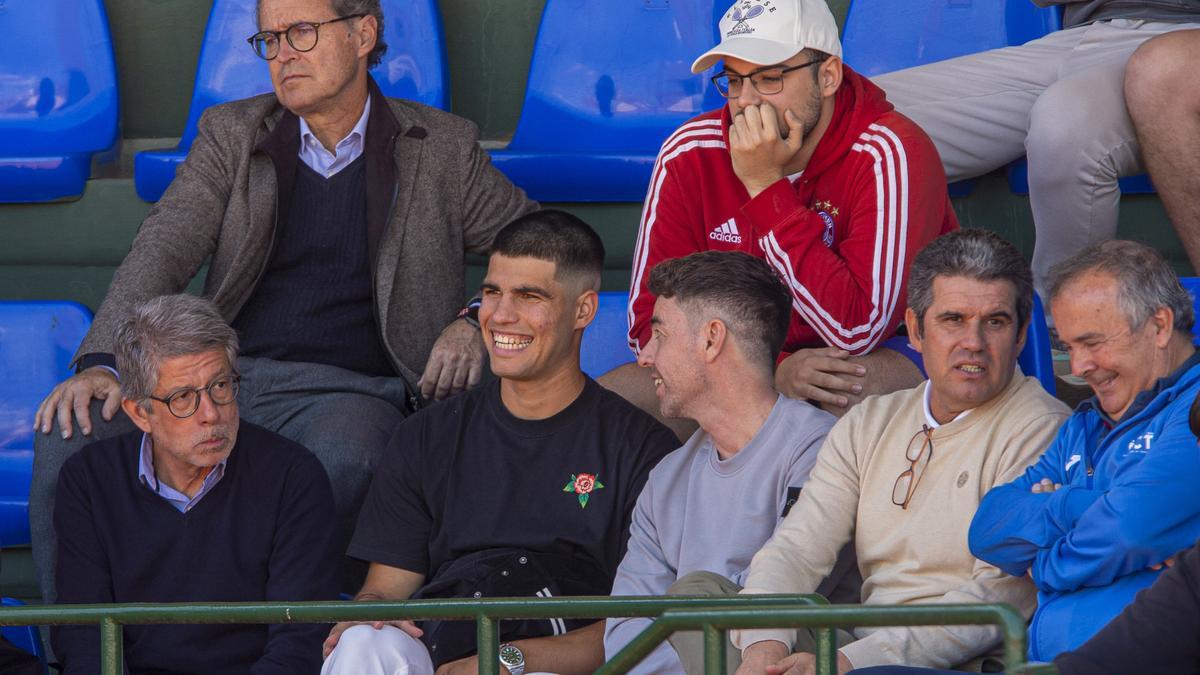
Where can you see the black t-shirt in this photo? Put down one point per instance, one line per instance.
(466, 475)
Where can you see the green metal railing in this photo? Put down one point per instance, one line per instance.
(711, 615)
(714, 622)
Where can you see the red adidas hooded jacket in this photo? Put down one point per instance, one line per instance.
(841, 234)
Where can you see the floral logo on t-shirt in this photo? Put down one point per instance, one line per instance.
(582, 485)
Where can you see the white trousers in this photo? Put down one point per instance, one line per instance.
(362, 650)
(1059, 100)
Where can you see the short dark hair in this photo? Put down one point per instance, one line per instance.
(558, 237)
(350, 7)
(741, 290)
(1144, 279)
(975, 254)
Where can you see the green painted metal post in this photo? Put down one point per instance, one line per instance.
(711, 615)
(714, 650)
(488, 639)
(826, 651)
(112, 649)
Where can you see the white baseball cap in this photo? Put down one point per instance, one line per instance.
(772, 31)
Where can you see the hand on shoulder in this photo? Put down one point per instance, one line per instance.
(74, 396)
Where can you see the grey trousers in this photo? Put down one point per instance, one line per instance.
(346, 419)
(1059, 100)
(690, 644)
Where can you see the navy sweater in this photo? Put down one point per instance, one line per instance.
(315, 301)
(264, 532)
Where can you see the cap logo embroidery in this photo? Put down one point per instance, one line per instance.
(740, 17)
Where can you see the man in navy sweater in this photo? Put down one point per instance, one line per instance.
(194, 506)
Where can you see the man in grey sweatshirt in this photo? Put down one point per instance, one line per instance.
(719, 321)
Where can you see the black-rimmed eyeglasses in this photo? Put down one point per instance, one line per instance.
(765, 81)
(906, 482)
(301, 36)
(184, 403)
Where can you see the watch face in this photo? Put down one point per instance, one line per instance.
(510, 655)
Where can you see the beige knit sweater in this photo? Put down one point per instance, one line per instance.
(918, 555)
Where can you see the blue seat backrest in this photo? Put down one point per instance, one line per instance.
(1192, 285)
(37, 341)
(605, 341)
(58, 81)
(24, 637)
(885, 35)
(414, 66)
(615, 76)
(1035, 359)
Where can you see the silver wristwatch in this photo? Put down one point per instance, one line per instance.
(513, 658)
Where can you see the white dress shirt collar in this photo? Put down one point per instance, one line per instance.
(346, 151)
(929, 419)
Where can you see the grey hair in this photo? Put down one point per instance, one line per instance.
(370, 7)
(1145, 282)
(365, 7)
(975, 254)
(166, 327)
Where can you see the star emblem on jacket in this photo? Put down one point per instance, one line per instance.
(826, 211)
(582, 485)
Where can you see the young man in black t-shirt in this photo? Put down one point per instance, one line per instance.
(524, 486)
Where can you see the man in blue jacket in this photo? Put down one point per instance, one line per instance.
(1115, 494)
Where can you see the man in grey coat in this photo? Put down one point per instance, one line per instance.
(334, 222)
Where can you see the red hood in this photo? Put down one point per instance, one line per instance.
(858, 104)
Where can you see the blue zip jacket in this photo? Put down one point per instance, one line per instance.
(1130, 498)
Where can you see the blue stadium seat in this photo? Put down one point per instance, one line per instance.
(414, 68)
(1192, 284)
(24, 637)
(608, 83)
(58, 97)
(605, 342)
(1035, 358)
(881, 36)
(605, 345)
(37, 341)
(1018, 181)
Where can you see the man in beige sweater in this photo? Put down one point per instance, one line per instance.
(903, 474)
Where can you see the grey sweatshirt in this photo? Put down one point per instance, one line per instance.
(698, 512)
(1079, 12)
